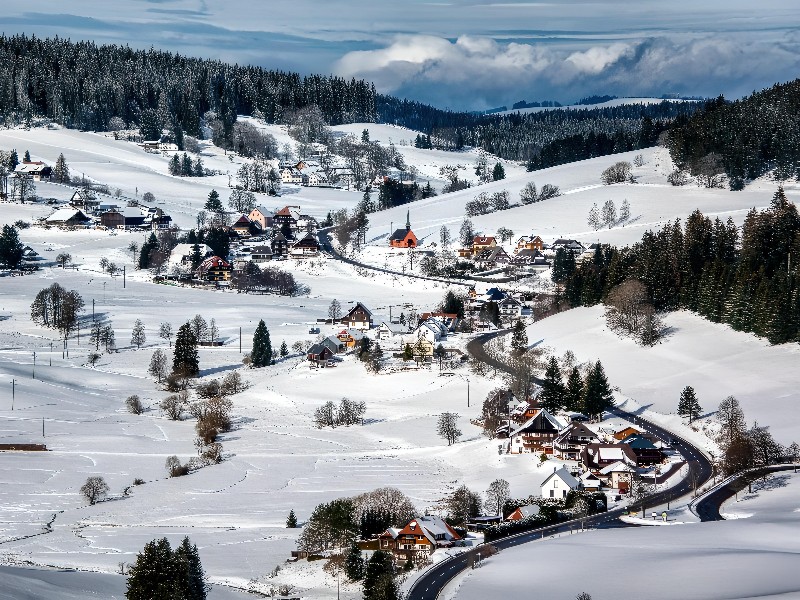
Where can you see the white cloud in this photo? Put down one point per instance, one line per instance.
(477, 72)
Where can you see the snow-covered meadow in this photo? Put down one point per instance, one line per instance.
(742, 559)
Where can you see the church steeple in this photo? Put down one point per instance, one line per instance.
(408, 220)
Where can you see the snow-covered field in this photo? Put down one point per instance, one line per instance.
(741, 559)
(276, 459)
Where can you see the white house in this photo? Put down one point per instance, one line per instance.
(182, 253)
(386, 330)
(559, 483)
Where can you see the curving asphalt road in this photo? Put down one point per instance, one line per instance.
(708, 506)
(431, 583)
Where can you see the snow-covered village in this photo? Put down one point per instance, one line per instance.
(277, 335)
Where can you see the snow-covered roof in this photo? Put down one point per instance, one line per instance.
(558, 425)
(62, 215)
(564, 476)
(617, 467)
(182, 252)
(529, 510)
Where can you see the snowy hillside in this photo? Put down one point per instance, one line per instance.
(729, 560)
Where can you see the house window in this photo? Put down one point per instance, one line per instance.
(551, 493)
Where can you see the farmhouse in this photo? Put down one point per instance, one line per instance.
(68, 217)
(261, 254)
(307, 247)
(214, 269)
(359, 317)
(568, 445)
(261, 217)
(481, 243)
(418, 539)
(536, 434)
(559, 483)
(35, 170)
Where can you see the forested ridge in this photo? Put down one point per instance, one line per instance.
(749, 137)
(749, 280)
(101, 87)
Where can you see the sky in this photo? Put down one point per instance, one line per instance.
(461, 54)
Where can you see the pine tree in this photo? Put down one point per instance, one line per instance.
(185, 362)
(191, 578)
(13, 160)
(573, 393)
(625, 211)
(138, 337)
(196, 256)
(27, 157)
(11, 249)
(261, 355)
(175, 165)
(379, 578)
(597, 397)
(61, 170)
(498, 172)
(284, 351)
(354, 563)
(688, 406)
(291, 520)
(594, 217)
(552, 396)
(154, 574)
(146, 250)
(213, 204)
(187, 168)
(519, 338)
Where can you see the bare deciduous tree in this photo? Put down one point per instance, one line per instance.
(629, 312)
(496, 495)
(134, 405)
(95, 489)
(447, 427)
(158, 365)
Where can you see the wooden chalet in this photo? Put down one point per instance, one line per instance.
(215, 269)
(529, 242)
(481, 243)
(569, 444)
(419, 539)
(35, 170)
(279, 245)
(536, 434)
(307, 247)
(359, 317)
(68, 217)
(626, 432)
(243, 227)
(288, 215)
(595, 456)
(645, 450)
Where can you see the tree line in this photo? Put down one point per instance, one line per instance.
(748, 280)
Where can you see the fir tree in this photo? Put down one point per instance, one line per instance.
(11, 249)
(213, 204)
(519, 338)
(688, 406)
(284, 351)
(379, 578)
(354, 563)
(175, 165)
(597, 397)
(187, 168)
(552, 396)
(573, 393)
(185, 362)
(191, 578)
(261, 355)
(196, 256)
(154, 574)
(27, 157)
(61, 170)
(291, 520)
(498, 172)
(13, 160)
(146, 250)
(138, 337)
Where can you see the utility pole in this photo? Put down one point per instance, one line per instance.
(13, 392)
(51, 354)
(240, 340)
(92, 310)
(42, 426)
(467, 393)
(123, 277)
(33, 371)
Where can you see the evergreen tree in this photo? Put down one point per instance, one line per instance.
(13, 160)
(291, 520)
(573, 393)
(191, 578)
(185, 362)
(563, 265)
(11, 249)
(61, 170)
(498, 172)
(379, 578)
(213, 204)
(261, 355)
(688, 406)
(138, 337)
(552, 395)
(175, 165)
(27, 157)
(187, 168)
(519, 338)
(146, 250)
(597, 397)
(354, 563)
(196, 256)
(219, 240)
(284, 351)
(154, 574)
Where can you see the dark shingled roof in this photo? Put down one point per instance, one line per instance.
(400, 234)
